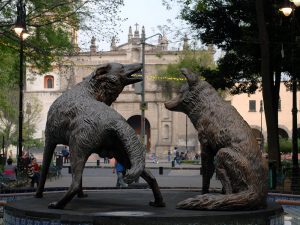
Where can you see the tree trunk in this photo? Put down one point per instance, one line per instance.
(271, 113)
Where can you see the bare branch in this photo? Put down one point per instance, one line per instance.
(5, 4)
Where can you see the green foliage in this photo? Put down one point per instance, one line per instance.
(52, 25)
(170, 78)
(285, 145)
(232, 26)
(191, 162)
(9, 121)
(253, 36)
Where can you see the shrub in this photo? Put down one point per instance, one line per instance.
(285, 145)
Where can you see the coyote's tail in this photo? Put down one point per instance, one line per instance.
(244, 200)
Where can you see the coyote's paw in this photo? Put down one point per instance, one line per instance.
(157, 204)
(198, 202)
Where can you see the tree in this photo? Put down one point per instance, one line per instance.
(257, 49)
(53, 26)
(170, 78)
(9, 121)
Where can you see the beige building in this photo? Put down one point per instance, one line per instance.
(250, 109)
(164, 129)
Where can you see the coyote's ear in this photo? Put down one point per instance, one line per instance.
(103, 69)
(192, 78)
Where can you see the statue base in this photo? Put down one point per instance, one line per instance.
(128, 206)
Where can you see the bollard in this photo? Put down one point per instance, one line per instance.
(59, 161)
(161, 170)
(272, 175)
(69, 169)
(98, 162)
(173, 163)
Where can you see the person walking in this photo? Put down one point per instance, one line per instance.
(34, 172)
(10, 170)
(119, 168)
(65, 153)
(169, 155)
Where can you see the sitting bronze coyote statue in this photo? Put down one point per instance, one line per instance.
(228, 144)
(78, 119)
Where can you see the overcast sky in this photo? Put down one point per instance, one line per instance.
(147, 13)
(151, 14)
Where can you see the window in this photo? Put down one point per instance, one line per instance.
(48, 81)
(166, 131)
(252, 105)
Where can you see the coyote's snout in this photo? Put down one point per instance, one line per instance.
(228, 144)
(109, 80)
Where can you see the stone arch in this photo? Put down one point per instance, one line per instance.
(135, 123)
(286, 129)
(282, 133)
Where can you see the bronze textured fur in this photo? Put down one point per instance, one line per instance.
(228, 144)
(82, 119)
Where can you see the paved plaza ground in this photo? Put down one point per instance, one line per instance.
(180, 176)
(100, 174)
(185, 176)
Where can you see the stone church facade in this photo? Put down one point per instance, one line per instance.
(164, 129)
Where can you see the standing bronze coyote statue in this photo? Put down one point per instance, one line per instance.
(82, 119)
(229, 146)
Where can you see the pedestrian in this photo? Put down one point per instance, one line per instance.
(25, 161)
(169, 155)
(175, 151)
(177, 158)
(106, 160)
(10, 170)
(119, 168)
(34, 172)
(65, 153)
(154, 158)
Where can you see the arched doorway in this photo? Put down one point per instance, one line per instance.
(282, 133)
(135, 123)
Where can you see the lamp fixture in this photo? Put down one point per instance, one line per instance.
(24, 35)
(20, 25)
(18, 30)
(296, 2)
(286, 11)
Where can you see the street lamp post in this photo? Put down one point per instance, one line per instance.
(28, 112)
(143, 103)
(287, 10)
(21, 97)
(20, 30)
(186, 133)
